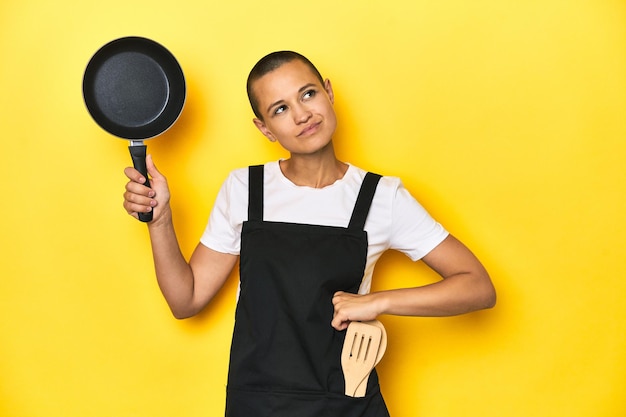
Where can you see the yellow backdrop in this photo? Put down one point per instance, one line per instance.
(504, 118)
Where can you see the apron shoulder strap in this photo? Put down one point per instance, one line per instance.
(364, 201)
(255, 192)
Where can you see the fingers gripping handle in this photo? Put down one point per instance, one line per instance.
(138, 154)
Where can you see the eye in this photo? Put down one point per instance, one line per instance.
(280, 109)
(309, 94)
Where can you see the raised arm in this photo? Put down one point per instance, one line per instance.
(187, 286)
(466, 287)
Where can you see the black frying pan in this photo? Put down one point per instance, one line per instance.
(134, 89)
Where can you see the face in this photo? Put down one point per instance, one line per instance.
(297, 110)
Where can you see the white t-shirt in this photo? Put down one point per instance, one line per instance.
(395, 220)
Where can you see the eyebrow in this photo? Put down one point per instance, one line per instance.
(302, 89)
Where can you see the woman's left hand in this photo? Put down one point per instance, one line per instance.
(352, 307)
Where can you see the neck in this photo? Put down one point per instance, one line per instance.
(316, 170)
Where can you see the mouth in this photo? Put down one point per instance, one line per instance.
(310, 129)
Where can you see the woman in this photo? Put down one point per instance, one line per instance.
(308, 231)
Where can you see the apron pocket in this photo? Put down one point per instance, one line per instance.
(251, 403)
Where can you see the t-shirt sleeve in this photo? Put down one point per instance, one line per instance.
(223, 231)
(414, 231)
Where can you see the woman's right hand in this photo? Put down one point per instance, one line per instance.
(140, 198)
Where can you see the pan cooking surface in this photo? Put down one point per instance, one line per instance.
(134, 88)
(131, 89)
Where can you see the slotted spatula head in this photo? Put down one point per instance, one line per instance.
(359, 354)
(362, 388)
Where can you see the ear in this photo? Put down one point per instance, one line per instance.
(329, 90)
(263, 129)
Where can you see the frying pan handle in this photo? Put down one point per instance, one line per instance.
(138, 154)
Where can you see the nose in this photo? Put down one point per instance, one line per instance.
(301, 114)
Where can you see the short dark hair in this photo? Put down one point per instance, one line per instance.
(268, 64)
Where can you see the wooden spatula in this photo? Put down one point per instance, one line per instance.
(360, 391)
(360, 354)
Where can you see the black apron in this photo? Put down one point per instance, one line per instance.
(285, 357)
